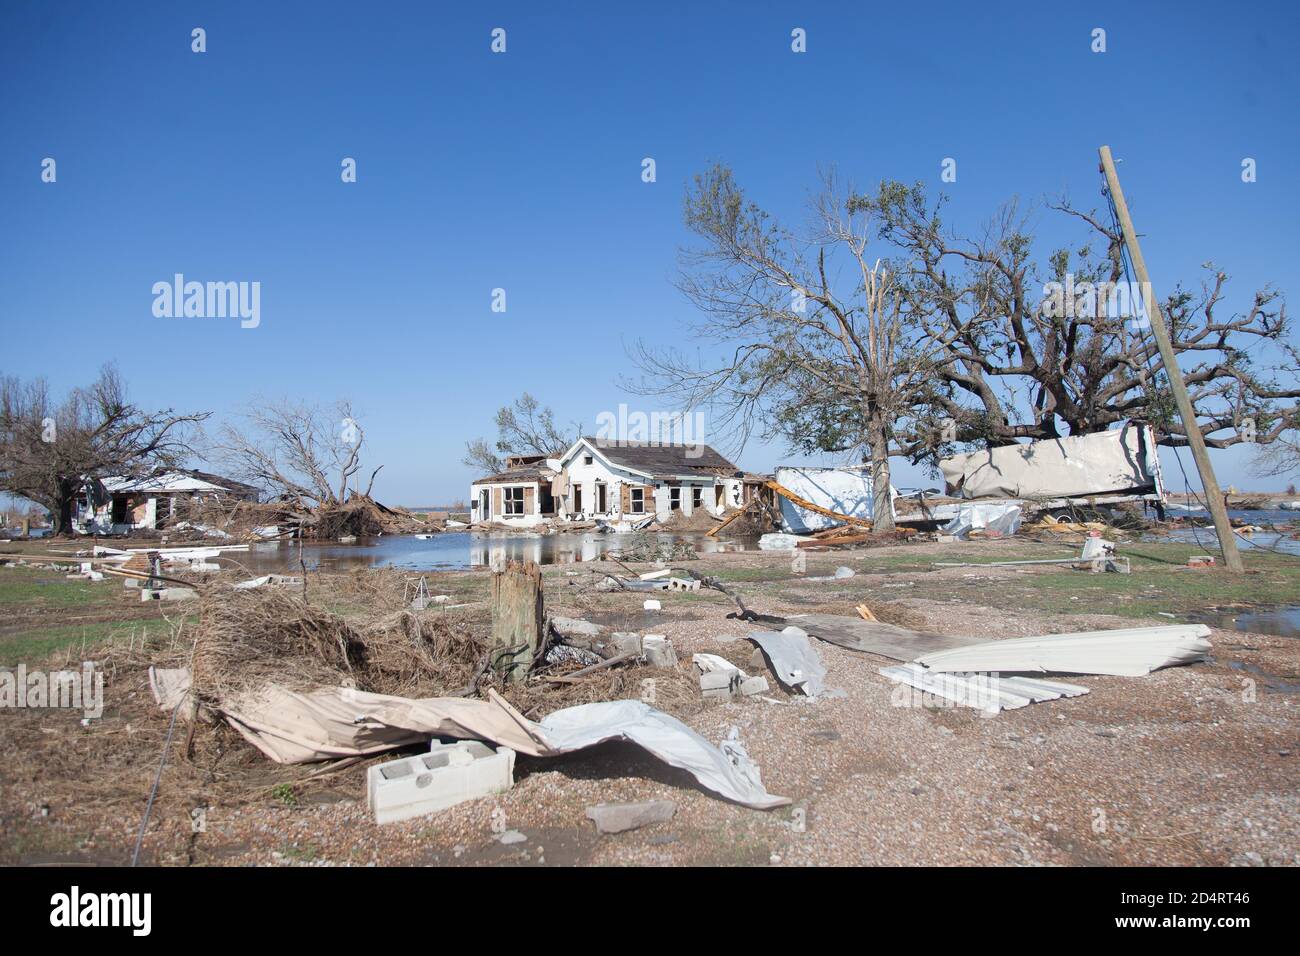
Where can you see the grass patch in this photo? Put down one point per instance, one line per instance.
(39, 644)
(1161, 581)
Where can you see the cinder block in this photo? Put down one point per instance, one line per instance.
(720, 685)
(167, 594)
(754, 685)
(658, 651)
(683, 584)
(625, 642)
(447, 775)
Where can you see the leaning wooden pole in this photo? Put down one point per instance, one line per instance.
(1195, 440)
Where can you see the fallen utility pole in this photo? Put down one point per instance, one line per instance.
(1195, 440)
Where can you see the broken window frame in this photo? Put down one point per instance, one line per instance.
(512, 497)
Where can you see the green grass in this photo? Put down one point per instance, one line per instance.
(29, 646)
(35, 605)
(50, 589)
(1160, 581)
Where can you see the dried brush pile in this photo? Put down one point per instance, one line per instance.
(247, 639)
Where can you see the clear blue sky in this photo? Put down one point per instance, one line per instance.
(522, 171)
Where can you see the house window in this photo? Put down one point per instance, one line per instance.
(675, 498)
(637, 499)
(586, 459)
(514, 500)
(697, 497)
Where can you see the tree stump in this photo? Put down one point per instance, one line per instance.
(518, 619)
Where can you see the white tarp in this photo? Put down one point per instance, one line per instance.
(330, 722)
(846, 491)
(1126, 652)
(993, 519)
(1118, 461)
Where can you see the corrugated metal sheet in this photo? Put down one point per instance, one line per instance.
(988, 692)
(1126, 652)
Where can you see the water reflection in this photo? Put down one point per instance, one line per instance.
(462, 550)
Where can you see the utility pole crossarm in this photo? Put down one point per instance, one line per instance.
(1186, 412)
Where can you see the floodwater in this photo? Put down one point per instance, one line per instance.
(1268, 539)
(460, 550)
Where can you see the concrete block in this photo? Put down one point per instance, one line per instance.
(719, 685)
(167, 594)
(625, 642)
(619, 817)
(658, 651)
(683, 584)
(447, 775)
(753, 685)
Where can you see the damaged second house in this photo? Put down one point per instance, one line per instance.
(626, 485)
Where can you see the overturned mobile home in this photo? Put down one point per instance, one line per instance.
(1105, 467)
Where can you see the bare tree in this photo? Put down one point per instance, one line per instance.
(523, 428)
(828, 362)
(48, 451)
(1017, 367)
(301, 453)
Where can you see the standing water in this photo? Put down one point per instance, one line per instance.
(462, 549)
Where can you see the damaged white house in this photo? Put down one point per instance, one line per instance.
(117, 505)
(610, 481)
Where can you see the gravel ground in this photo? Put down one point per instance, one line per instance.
(1185, 766)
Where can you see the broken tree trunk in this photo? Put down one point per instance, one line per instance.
(518, 619)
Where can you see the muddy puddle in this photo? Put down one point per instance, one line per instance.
(1278, 621)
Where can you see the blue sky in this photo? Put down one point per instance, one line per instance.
(522, 171)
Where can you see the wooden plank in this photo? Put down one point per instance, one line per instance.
(713, 532)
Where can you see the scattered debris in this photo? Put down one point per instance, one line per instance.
(330, 722)
(269, 580)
